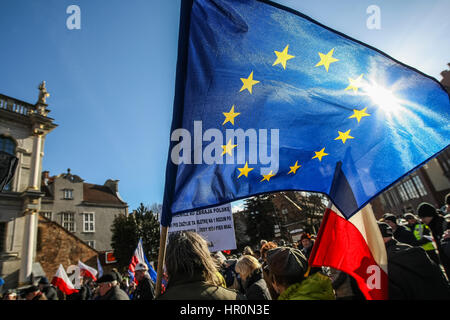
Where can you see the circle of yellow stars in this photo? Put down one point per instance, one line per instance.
(282, 57)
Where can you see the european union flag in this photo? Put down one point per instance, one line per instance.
(268, 99)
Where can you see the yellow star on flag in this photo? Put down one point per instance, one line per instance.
(267, 176)
(248, 83)
(320, 154)
(344, 136)
(283, 57)
(294, 168)
(228, 147)
(244, 171)
(354, 84)
(229, 116)
(358, 114)
(326, 59)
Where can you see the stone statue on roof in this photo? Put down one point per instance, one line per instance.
(43, 94)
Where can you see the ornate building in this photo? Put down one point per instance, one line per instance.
(23, 129)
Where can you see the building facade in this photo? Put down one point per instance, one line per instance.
(296, 213)
(23, 129)
(430, 183)
(85, 209)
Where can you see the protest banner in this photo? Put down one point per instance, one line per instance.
(214, 224)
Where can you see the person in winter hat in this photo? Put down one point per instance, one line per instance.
(145, 289)
(412, 275)
(287, 268)
(438, 225)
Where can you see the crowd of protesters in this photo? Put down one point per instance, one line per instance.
(418, 256)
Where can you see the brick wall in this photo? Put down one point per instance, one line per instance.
(55, 246)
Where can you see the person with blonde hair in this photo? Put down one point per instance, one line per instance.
(192, 272)
(254, 286)
(247, 251)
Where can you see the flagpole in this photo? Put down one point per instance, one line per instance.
(161, 259)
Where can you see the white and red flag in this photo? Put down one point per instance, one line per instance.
(62, 281)
(139, 256)
(354, 246)
(86, 271)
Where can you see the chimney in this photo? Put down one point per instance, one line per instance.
(113, 185)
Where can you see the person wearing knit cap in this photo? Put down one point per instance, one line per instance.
(287, 268)
(307, 244)
(412, 275)
(401, 233)
(438, 225)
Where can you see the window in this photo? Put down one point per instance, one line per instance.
(68, 221)
(410, 189)
(46, 214)
(419, 186)
(402, 192)
(88, 222)
(68, 194)
(394, 198)
(91, 243)
(9, 146)
(2, 236)
(387, 200)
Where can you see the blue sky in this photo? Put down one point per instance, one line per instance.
(112, 82)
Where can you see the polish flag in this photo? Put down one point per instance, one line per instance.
(62, 282)
(86, 271)
(139, 256)
(355, 246)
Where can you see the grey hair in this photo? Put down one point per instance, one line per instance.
(187, 255)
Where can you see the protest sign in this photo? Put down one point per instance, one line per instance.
(214, 224)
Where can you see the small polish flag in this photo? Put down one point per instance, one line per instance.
(62, 282)
(86, 271)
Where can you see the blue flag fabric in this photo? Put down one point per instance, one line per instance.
(268, 99)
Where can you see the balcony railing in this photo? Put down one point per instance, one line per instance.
(14, 105)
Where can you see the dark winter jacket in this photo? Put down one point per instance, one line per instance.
(403, 235)
(438, 225)
(115, 293)
(84, 293)
(413, 275)
(255, 287)
(196, 288)
(50, 292)
(145, 289)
